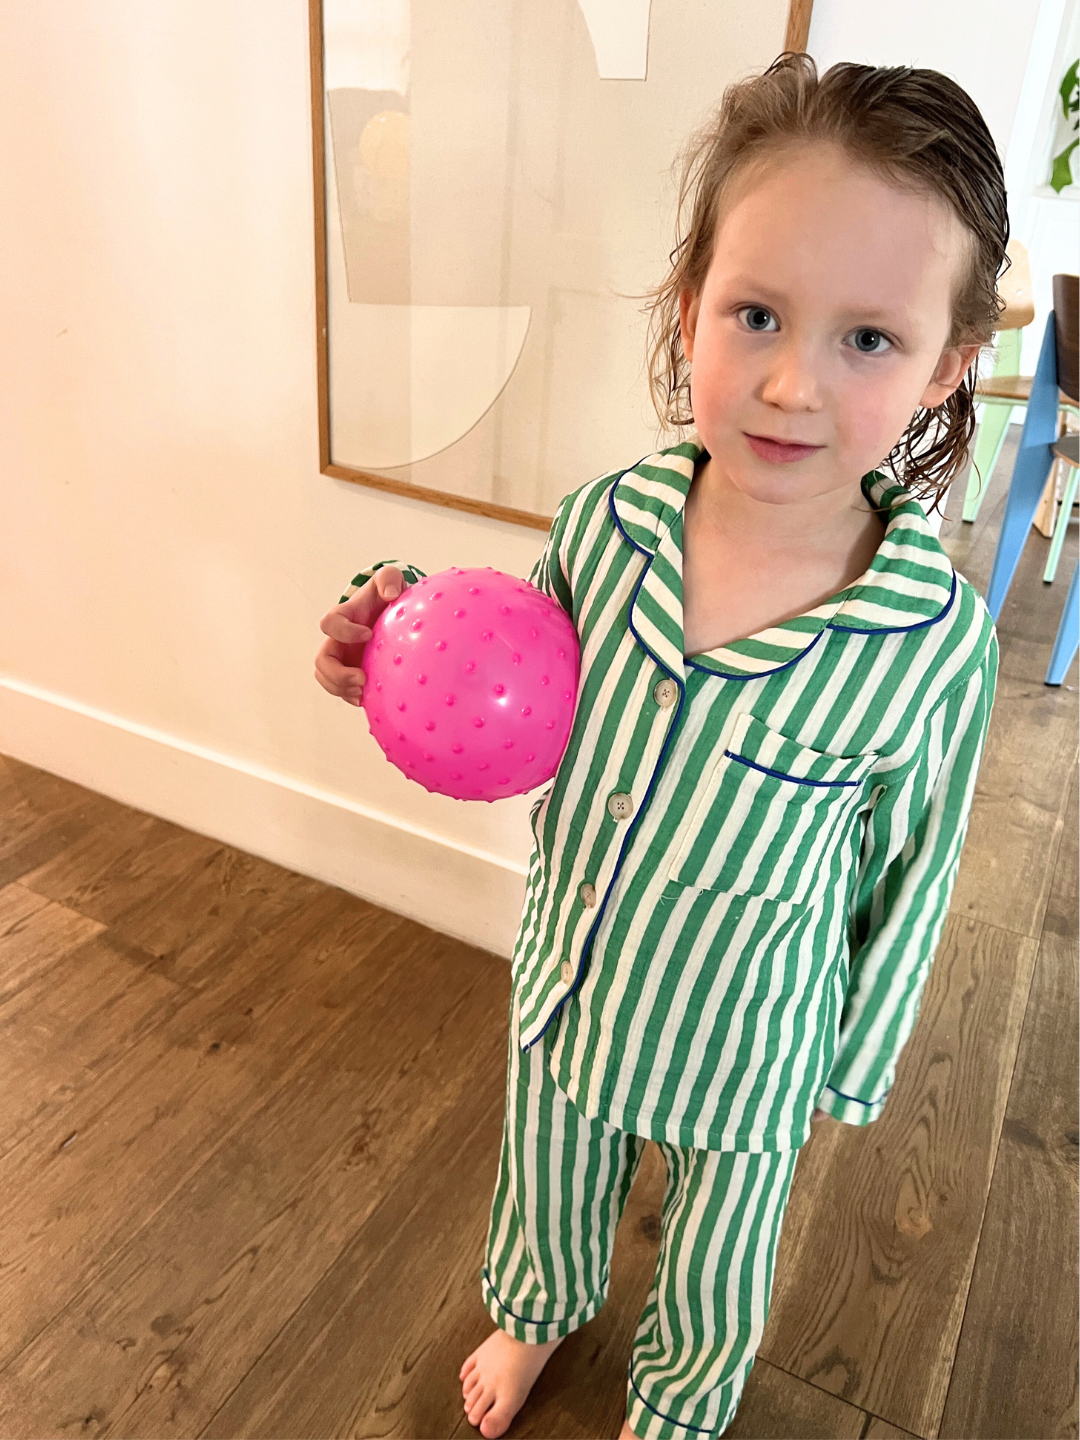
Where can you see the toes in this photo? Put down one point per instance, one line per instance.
(477, 1407)
(494, 1422)
(470, 1364)
(470, 1383)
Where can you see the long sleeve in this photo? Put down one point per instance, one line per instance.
(410, 574)
(910, 856)
(549, 572)
(549, 575)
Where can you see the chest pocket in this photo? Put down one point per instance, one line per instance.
(771, 815)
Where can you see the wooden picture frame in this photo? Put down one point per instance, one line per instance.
(797, 31)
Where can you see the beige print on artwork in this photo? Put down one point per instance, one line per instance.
(497, 170)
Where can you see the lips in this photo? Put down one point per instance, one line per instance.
(779, 451)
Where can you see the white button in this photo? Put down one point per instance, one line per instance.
(620, 805)
(588, 894)
(665, 693)
(567, 972)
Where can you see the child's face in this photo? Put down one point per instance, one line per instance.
(822, 320)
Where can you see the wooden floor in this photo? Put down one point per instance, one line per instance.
(249, 1125)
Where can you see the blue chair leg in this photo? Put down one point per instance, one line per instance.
(1030, 471)
(1068, 635)
(1025, 491)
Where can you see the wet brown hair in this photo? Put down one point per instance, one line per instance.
(916, 129)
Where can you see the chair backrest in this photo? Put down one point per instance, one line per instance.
(1066, 305)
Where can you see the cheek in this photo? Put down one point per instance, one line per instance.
(872, 419)
(718, 383)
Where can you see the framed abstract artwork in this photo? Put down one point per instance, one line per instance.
(493, 195)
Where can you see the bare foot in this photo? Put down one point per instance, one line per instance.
(626, 1433)
(497, 1377)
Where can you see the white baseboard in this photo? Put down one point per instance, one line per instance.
(452, 887)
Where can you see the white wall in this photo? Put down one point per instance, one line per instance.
(1045, 222)
(168, 543)
(982, 47)
(1010, 59)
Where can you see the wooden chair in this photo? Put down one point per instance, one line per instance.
(1066, 289)
(1040, 445)
(1005, 390)
(1068, 636)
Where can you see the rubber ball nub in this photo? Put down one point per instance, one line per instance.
(472, 681)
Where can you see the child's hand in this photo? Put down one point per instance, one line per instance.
(348, 627)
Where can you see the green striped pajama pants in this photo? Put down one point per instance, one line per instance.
(562, 1183)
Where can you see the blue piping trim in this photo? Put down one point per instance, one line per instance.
(840, 630)
(680, 681)
(760, 674)
(700, 1429)
(618, 523)
(855, 1097)
(523, 1318)
(779, 774)
(903, 629)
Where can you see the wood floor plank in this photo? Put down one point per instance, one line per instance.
(72, 1021)
(47, 793)
(1015, 1373)
(1016, 815)
(882, 1430)
(154, 1349)
(776, 1405)
(148, 1123)
(104, 873)
(193, 904)
(36, 936)
(239, 900)
(360, 1335)
(349, 1365)
(44, 814)
(273, 956)
(879, 1239)
(1011, 842)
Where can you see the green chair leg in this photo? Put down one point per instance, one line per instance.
(993, 426)
(1061, 524)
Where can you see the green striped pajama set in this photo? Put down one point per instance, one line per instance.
(740, 875)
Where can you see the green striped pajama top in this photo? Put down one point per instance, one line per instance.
(743, 864)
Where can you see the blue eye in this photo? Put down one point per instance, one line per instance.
(866, 332)
(758, 312)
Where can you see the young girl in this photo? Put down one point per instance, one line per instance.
(743, 864)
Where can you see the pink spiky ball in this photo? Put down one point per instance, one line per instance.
(472, 680)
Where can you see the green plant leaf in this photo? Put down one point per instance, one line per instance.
(1061, 175)
(1068, 91)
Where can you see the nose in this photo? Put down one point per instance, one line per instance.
(792, 377)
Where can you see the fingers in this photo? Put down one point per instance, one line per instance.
(336, 676)
(348, 628)
(337, 625)
(351, 620)
(389, 582)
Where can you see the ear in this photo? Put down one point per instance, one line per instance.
(951, 369)
(689, 304)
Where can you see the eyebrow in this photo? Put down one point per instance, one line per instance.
(890, 317)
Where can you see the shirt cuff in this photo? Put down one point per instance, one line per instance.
(850, 1109)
